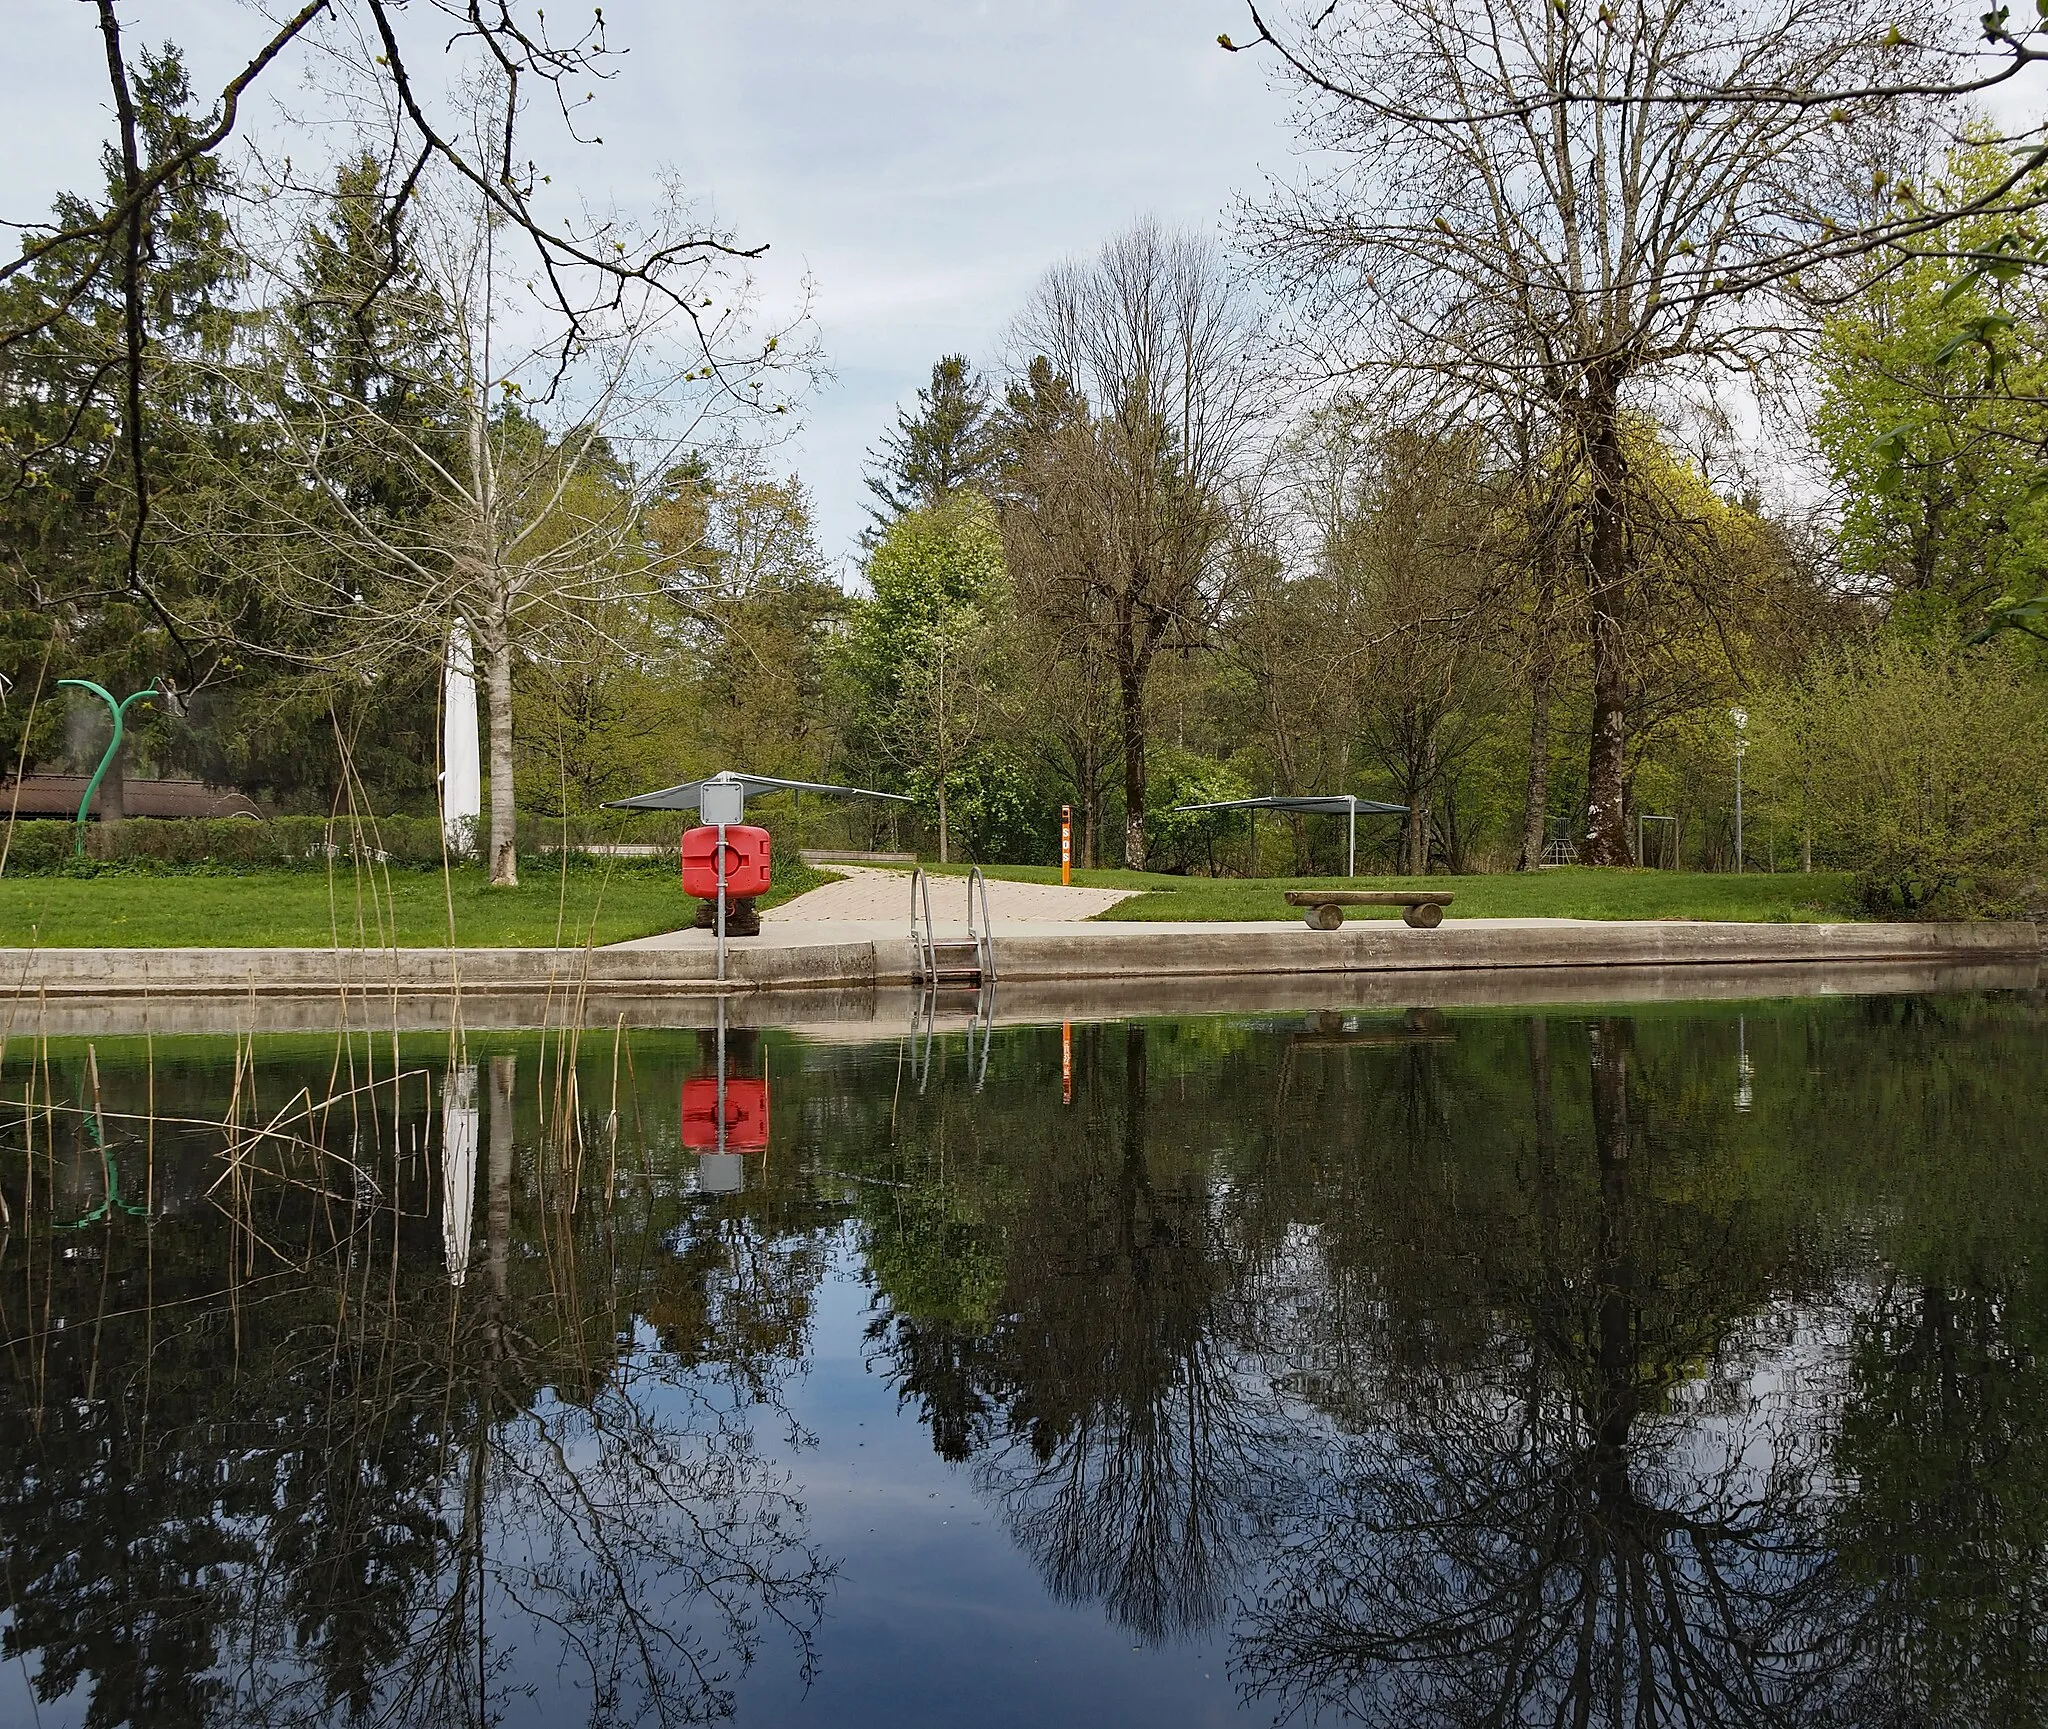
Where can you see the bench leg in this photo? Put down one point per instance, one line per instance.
(1423, 918)
(1324, 918)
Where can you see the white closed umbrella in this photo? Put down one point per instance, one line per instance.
(462, 787)
(459, 1124)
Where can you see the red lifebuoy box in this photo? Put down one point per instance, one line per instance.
(746, 862)
(746, 1113)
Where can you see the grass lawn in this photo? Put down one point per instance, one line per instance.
(1564, 893)
(293, 909)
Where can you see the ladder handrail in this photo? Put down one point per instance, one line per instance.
(985, 1014)
(924, 956)
(985, 940)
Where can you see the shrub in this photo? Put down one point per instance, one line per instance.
(44, 847)
(1180, 841)
(1922, 771)
(996, 814)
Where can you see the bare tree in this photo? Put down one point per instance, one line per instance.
(1063, 700)
(585, 269)
(1158, 344)
(532, 458)
(1570, 207)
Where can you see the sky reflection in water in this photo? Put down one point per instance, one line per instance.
(1678, 1365)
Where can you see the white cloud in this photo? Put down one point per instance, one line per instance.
(921, 161)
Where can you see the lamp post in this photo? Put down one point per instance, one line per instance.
(1741, 718)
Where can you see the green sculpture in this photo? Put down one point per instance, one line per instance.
(118, 710)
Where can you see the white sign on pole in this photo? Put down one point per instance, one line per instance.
(722, 801)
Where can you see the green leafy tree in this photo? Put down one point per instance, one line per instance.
(1933, 415)
(947, 444)
(75, 593)
(920, 659)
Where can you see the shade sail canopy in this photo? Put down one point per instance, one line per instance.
(690, 794)
(1340, 804)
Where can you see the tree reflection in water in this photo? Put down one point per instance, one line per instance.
(1130, 1449)
(341, 1481)
(1465, 1379)
(1608, 1519)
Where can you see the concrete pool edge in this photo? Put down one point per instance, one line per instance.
(864, 958)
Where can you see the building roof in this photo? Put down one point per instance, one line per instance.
(39, 795)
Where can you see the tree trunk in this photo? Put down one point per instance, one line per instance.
(1131, 692)
(1088, 772)
(942, 820)
(498, 1214)
(1536, 792)
(1415, 831)
(1606, 757)
(504, 854)
(1615, 1330)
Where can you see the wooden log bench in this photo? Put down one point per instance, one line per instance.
(1422, 911)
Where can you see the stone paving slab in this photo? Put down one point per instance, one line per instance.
(863, 894)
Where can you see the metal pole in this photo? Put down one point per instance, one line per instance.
(1738, 807)
(1740, 716)
(721, 925)
(1351, 853)
(721, 1072)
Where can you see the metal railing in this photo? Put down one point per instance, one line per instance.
(924, 940)
(920, 1041)
(984, 940)
(924, 953)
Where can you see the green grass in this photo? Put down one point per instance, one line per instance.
(1563, 893)
(292, 909)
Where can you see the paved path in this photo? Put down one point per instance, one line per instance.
(864, 895)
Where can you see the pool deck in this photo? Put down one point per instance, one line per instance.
(1047, 954)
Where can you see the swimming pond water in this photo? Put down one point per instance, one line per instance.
(1681, 1363)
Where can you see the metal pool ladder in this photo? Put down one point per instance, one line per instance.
(939, 962)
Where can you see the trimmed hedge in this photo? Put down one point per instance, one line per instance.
(215, 846)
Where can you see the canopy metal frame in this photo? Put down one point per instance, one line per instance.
(1346, 805)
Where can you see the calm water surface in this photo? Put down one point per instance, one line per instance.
(1678, 1365)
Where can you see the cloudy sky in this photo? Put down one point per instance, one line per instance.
(921, 160)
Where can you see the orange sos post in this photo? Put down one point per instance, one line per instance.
(1066, 844)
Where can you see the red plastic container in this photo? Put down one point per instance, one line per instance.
(746, 861)
(746, 1113)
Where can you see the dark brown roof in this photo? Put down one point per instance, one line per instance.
(58, 795)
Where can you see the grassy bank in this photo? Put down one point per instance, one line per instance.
(404, 909)
(1565, 893)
